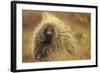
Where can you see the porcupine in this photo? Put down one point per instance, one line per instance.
(54, 40)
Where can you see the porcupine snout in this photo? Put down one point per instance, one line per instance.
(48, 34)
(46, 38)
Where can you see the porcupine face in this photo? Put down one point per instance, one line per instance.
(46, 36)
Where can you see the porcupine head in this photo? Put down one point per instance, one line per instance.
(53, 40)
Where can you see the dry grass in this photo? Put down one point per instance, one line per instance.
(85, 46)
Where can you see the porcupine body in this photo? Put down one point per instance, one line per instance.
(54, 40)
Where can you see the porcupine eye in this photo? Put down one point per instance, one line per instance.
(48, 34)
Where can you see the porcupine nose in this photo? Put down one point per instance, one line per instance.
(49, 31)
(49, 34)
